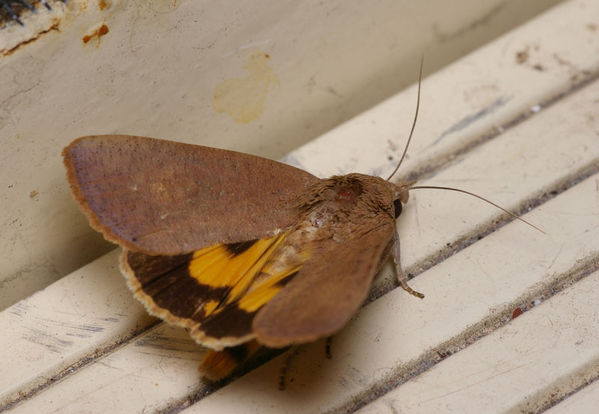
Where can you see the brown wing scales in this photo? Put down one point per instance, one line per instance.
(325, 293)
(162, 197)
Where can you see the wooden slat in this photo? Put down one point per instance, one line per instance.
(471, 287)
(584, 401)
(538, 358)
(466, 295)
(92, 311)
(66, 323)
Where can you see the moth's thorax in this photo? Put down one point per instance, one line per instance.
(340, 205)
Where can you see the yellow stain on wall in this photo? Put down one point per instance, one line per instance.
(244, 98)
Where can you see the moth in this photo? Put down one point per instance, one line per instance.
(234, 247)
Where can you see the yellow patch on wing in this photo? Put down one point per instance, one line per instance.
(217, 266)
(232, 266)
(260, 294)
(274, 275)
(210, 306)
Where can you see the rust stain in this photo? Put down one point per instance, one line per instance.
(244, 98)
(7, 52)
(517, 312)
(97, 33)
(102, 5)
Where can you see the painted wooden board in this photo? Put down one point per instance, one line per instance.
(525, 156)
(67, 323)
(396, 333)
(524, 366)
(92, 67)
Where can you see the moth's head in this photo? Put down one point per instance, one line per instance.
(401, 195)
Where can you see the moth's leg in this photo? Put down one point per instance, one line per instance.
(293, 352)
(401, 276)
(384, 257)
(327, 348)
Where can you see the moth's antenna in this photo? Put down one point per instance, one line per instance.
(434, 187)
(405, 150)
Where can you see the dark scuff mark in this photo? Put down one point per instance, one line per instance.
(53, 344)
(87, 328)
(110, 319)
(469, 119)
(13, 10)
(18, 309)
(522, 56)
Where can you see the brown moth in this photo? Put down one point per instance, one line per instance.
(235, 247)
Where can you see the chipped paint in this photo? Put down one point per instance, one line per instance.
(54, 27)
(96, 33)
(52, 343)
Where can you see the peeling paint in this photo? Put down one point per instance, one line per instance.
(244, 99)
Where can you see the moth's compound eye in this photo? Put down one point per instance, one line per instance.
(397, 206)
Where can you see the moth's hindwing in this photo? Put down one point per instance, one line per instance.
(216, 291)
(217, 365)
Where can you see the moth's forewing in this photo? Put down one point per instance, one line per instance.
(163, 197)
(327, 290)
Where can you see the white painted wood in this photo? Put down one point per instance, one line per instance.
(396, 334)
(156, 71)
(473, 285)
(67, 322)
(464, 102)
(544, 354)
